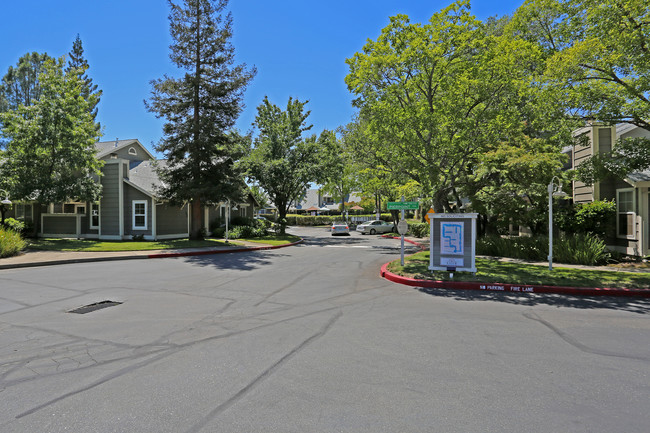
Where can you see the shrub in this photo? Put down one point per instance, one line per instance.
(516, 247)
(137, 238)
(15, 225)
(419, 230)
(597, 217)
(239, 232)
(262, 224)
(579, 249)
(11, 243)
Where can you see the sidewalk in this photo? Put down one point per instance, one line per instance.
(47, 258)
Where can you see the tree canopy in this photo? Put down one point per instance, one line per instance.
(598, 54)
(50, 153)
(435, 97)
(283, 162)
(200, 109)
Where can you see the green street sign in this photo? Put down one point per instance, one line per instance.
(403, 205)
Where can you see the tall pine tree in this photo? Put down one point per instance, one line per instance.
(78, 62)
(200, 109)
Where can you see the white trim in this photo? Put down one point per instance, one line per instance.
(58, 235)
(110, 237)
(133, 214)
(135, 152)
(633, 213)
(174, 236)
(153, 218)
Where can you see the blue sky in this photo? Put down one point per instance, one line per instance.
(298, 46)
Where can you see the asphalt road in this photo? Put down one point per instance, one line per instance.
(310, 339)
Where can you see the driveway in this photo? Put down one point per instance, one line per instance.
(309, 339)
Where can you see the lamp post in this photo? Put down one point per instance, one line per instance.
(552, 192)
(5, 202)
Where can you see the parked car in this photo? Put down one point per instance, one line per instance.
(340, 228)
(374, 227)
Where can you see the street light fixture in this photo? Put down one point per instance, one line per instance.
(5, 202)
(554, 190)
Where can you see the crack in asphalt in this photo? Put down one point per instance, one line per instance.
(578, 345)
(264, 375)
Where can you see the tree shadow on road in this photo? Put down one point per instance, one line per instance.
(630, 304)
(245, 261)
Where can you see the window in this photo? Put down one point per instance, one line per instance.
(68, 208)
(139, 215)
(132, 151)
(626, 215)
(23, 211)
(94, 216)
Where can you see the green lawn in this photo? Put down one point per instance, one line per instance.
(494, 271)
(52, 244)
(274, 239)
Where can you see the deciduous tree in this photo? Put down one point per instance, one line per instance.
(436, 96)
(50, 154)
(282, 161)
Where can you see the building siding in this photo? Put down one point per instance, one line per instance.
(171, 220)
(109, 203)
(131, 194)
(63, 225)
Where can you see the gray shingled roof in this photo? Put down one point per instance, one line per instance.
(143, 175)
(639, 176)
(106, 147)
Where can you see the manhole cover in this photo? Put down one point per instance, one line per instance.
(93, 307)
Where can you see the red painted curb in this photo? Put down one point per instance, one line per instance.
(516, 288)
(205, 253)
(420, 246)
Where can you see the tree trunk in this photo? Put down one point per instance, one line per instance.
(196, 220)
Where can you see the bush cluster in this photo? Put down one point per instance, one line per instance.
(239, 232)
(598, 217)
(579, 249)
(11, 243)
(419, 230)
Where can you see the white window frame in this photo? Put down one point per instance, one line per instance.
(133, 214)
(619, 212)
(132, 151)
(99, 215)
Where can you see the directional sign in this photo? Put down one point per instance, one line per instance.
(403, 205)
(429, 215)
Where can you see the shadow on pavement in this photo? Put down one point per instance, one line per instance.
(629, 304)
(245, 261)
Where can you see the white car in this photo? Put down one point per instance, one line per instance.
(374, 227)
(340, 228)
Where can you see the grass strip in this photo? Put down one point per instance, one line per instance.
(494, 271)
(53, 244)
(273, 239)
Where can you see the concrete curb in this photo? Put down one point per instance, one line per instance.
(420, 246)
(237, 250)
(514, 288)
(144, 256)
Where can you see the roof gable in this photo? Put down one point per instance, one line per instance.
(106, 148)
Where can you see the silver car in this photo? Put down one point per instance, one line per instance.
(374, 227)
(340, 228)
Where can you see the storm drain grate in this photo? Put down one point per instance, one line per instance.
(94, 307)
